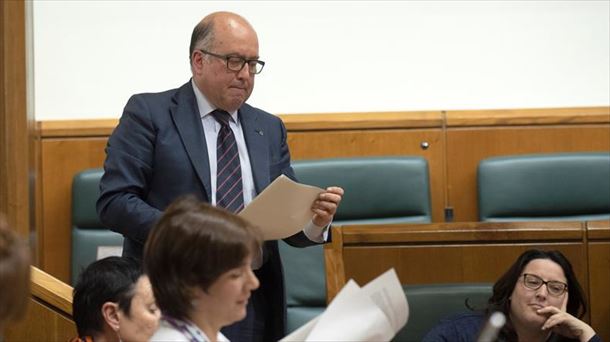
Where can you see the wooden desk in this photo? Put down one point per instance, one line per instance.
(470, 252)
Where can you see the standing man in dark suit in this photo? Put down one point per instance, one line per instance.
(165, 146)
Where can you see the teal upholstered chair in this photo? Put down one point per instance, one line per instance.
(90, 238)
(377, 190)
(428, 304)
(567, 186)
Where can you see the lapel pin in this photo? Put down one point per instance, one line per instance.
(260, 132)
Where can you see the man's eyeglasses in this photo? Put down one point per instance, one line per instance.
(554, 287)
(236, 63)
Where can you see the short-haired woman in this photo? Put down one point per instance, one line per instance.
(198, 258)
(541, 298)
(113, 301)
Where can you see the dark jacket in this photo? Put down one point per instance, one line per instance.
(157, 153)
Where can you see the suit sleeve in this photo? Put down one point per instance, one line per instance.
(127, 173)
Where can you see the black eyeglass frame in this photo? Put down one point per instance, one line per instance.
(243, 61)
(546, 283)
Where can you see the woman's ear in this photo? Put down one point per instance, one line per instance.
(110, 312)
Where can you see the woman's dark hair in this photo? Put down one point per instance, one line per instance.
(191, 246)
(503, 288)
(111, 279)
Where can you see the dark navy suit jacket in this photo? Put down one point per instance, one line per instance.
(158, 153)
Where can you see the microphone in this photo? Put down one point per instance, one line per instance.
(490, 331)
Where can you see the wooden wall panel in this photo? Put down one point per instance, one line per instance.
(70, 146)
(467, 146)
(449, 263)
(49, 314)
(599, 276)
(41, 324)
(61, 160)
(454, 252)
(16, 128)
(382, 142)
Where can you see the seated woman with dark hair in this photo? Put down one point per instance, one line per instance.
(113, 301)
(198, 258)
(541, 299)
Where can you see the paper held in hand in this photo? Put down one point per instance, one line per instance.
(282, 209)
(375, 312)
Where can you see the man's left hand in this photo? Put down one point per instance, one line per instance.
(325, 206)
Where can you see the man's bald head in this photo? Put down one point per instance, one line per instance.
(203, 33)
(218, 37)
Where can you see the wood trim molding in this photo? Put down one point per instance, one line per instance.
(293, 122)
(51, 290)
(462, 232)
(76, 128)
(598, 230)
(541, 116)
(374, 120)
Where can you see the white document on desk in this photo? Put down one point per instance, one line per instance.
(282, 209)
(375, 312)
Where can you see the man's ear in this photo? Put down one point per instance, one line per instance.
(197, 62)
(110, 312)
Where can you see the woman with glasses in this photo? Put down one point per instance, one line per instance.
(541, 299)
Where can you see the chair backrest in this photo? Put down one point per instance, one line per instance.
(567, 186)
(90, 239)
(428, 304)
(377, 190)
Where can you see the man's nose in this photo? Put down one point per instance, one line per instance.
(244, 72)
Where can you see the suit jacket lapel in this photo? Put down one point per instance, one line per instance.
(254, 134)
(187, 119)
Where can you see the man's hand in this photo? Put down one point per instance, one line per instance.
(325, 206)
(564, 324)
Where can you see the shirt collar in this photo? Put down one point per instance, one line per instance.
(204, 106)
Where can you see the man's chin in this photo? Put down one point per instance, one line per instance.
(234, 103)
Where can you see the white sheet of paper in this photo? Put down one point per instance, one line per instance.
(282, 209)
(375, 312)
(352, 317)
(389, 296)
(351, 288)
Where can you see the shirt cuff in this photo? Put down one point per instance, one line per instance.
(315, 233)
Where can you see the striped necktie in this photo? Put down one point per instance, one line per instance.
(229, 188)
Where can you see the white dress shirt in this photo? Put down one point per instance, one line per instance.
(210, 129)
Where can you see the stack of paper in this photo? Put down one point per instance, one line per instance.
(375, 312)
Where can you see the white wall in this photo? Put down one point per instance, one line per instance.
(344, 56)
